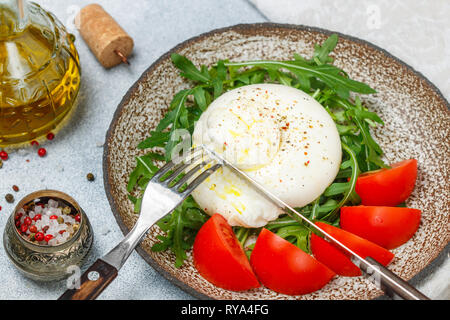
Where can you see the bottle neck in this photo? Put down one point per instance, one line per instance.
(13, 17)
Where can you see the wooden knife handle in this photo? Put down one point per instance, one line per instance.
(92, 282)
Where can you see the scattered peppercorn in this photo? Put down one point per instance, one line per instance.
(50, 136)
(9, 198)
(15, 188)
(42, 152)
(3, 155)
(34, 143)
(90, 177)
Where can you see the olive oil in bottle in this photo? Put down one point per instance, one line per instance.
(39, 73)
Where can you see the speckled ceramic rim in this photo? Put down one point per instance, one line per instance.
(256, 27)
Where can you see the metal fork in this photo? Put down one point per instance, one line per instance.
(164, 192)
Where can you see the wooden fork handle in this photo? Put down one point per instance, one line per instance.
(92, 282)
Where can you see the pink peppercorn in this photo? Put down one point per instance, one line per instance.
(42, 152)
(3, 155)
(50, 136)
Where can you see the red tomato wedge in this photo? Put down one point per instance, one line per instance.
(219, 257)
(387, 187)
(333, 257)
(284, 268)
(388, 227)
(339, 261)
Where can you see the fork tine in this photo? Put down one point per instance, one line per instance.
(180, 168)
(163, 170)
(202, 177)
(170, 165)
(190, 173)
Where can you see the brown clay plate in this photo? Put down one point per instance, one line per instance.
(417, 123)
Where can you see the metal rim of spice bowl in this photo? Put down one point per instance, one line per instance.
(42, 262)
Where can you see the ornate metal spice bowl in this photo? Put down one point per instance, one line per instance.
(44, 262)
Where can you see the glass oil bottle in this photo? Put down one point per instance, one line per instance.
(39, 73)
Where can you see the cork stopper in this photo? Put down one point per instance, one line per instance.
(104, 36)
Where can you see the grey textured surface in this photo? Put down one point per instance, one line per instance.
(156, 26)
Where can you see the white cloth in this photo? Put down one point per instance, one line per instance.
(415, 31)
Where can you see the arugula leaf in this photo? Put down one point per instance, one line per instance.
(144, 169)
(336, 188)
(321, 53)
(181, 226)
(137, 203)
(282, 221)
(221, 70)
(200, 97)
(330, 75)
(179, 120)
(156, 139)
(189, 70)
(218, 87)
(299, 232)
(350, 192)
(284, 79)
